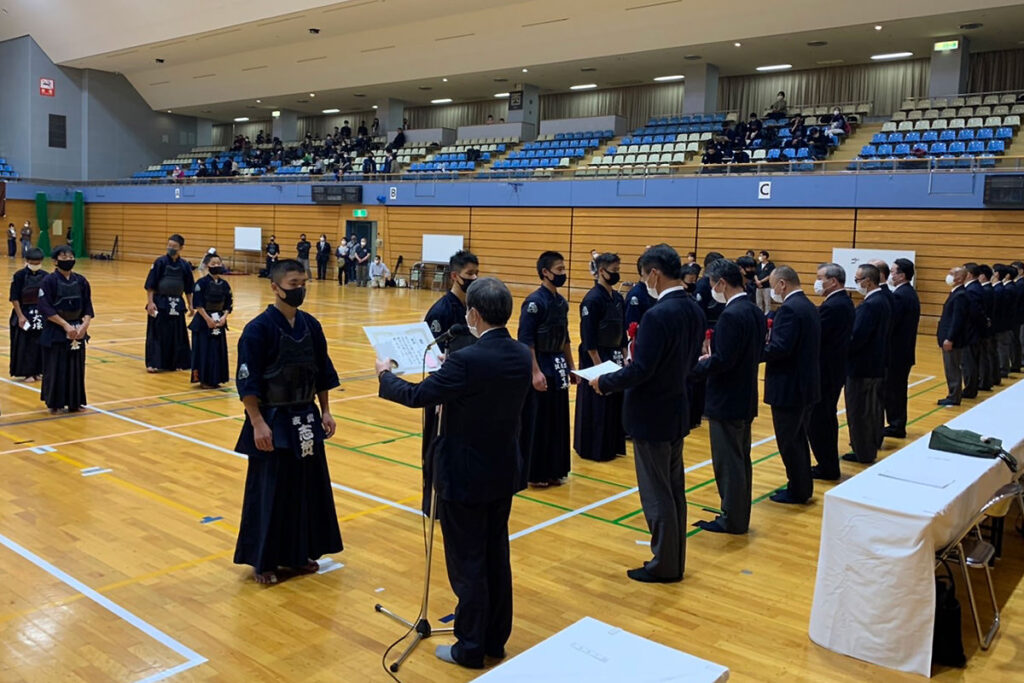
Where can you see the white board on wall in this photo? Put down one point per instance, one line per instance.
(851, 259)
(440, 248)
(248, 239)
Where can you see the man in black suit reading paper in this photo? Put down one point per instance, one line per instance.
(478, 466)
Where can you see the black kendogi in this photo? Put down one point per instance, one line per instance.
(272, 251)
(64, 359)
(26, 353)
(210, 346)
(167, 346)
(598, 433)
(638, 302)
(288, 514)
(544, 325)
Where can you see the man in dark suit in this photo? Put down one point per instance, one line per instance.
(906, 315)
(885, 292)
(478, 466)
(655, 410)
(1017, 358)
(954, 335)
(792, 380)
(975, 359)
(1004, 319)
(836, 313)
(711, 309)
(731, 400)
(866, 368)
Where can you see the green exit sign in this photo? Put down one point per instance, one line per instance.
(947, 45)
(359, 213)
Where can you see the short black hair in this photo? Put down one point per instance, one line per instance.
(986, 271)
(691, 269)
(764, 253)
(870, 272)
(711, 258)
(1012, 271)
(746, 262)
(461, 259)
(62, 249)
(973, 268)
(883, 270)
(604, 260)
(34, 254)
(665, 259)
(724, 269)
(547, 260)
(282, 268)
(782, 93)
(906, 267)
(177, 238)
(491, 299)
(693, 254)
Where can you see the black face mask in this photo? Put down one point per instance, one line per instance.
(558, 280)
(172, 252)
(465, 283)
(216, 270)
(294, 297)
(612, 278)
(66, 265)
(691, 287)
(750, 274)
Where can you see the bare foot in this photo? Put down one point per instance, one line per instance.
(311, 568)
(152, 370)
(266, 578)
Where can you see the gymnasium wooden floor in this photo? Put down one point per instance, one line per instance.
(124, 572)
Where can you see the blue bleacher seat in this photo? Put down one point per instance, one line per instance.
(785, 133)
(930, 136)
(975, 147)
(996, 147)
(938, 148)
(902, 150)
(803, 153)
(957, 148)
(947, 136)
(985, 134)
(774, 154)
(894, 138)
(1004, 133)
(965, 134)
(885, 150)
(912, 136)
(868, 151)
(987, 161)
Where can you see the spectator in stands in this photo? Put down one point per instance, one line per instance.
(754, 127)
(346, 131)
(362, 130)
(838, 125)
(385, 166)
(369, 166)
(797, 141)
(818, 145)
(259, 138)
(726, 136)
(379, 273)
(375, 128)
(712, 156)
(490, 119)
(778, 107)
(764, 292)
(740, 156)
(225, 168)
(798, 126)
(399, 141)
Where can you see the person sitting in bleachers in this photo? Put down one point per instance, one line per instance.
(712, 156)
(797, 141)
(754, 127)
(838, 125)
(369, 167)
(740, 156)
(817, 145)
(726, 136)
(797, 126)
(778, 107)
(399, 141)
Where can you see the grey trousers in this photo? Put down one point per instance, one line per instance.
(1004, 344)
(659, 475)
(951, 364)
(730, 456)
(972, 361)
(863, 410)
(305, 264)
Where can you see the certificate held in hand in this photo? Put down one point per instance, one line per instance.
(605, 368)
(405, 345)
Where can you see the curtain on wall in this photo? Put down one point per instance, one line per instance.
(224, 133)
(455, 115)
(885, 85)
(996, 71)
(323, 124)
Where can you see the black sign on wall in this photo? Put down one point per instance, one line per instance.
(1004, 190)
(337, 194)
(58, 131)
(515, 100)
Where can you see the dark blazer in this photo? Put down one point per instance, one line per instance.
(711, 308)
(887, 295)
(731, 369)
(954, 323)
(868, 339)
(483, 388)
(668, 339)
(836, 313)
(792, 372)
(977, 317)
(906, 316)
(323, 252)
(1004, 316)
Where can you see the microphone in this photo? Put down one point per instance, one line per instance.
(454, 331)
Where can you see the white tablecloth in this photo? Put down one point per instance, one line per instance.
(874, 598)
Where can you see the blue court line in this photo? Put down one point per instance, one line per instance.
(192, 658)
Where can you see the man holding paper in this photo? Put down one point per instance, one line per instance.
(656, 412)
(478, 466)
(598, 431)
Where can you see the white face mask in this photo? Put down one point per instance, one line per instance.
(892, 285)
(718, 296)
(819, 287)
(472, 330)
(862, 289)
(777, 298)
(33, 266)
(950, 281)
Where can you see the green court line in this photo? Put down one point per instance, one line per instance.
(600, 481)
(355, 449)
(378, 443)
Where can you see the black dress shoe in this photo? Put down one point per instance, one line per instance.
(712, 526)
(947, 402)
(785, 498)
(852, 457)
(643, 576)
(895, 432)
(818, 473)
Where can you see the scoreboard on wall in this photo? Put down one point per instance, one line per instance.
(337, 194)
(1004, 190)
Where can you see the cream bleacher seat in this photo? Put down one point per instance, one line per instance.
(889, 127)
(931, 114)
(681, 137)
(641, 158)
(974, 101)
(915, 115)
(645, 149)
(1008, 98)
(939, 102)
(905, 126)
(694, 137)
(923, 104)
(948, 113)
(940, 124)
(991, 99)
(922, 125)
(704, 137)
(563, 162)
(957, 123)
(983, 111)
(629, 159)
(680, 146)
(863, 109)
(732, 116)
(692, 147)
(957, 102)
(656, 147)
(679, 158)
(632, 149)
(907, 105)
(965, 112)
(990, 122)
(899, 116)
(759, 155)
(1013, 121)
(596, 160)
(1000, 110)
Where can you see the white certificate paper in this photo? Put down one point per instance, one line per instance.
(605, 368)
(405, 345)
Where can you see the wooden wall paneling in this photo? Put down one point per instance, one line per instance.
(19, 211)
(508, 241)
(291, 221)
(145, 232)
(407, 225)
(230, 216)
(196, 223)
(943, 239)
(104, 223)
(799, 238)
(627, 232)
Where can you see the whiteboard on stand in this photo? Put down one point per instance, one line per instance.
(440, 248)
(851, 259)
(248, 239)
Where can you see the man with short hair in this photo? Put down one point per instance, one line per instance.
(955, 334)
(483, 388)
(792, 380)
(169, 285)
(1017, 340)
(379, 273)
(302, 254)
(975, 359)
(836, 313)
(866, 368)
(655, 410)
(764, 271)
(362, 263)
(346, 131)
(1005, 316)
(273, 252)
(906, 315)
(341, 253)
(730, 368)
(26, 238)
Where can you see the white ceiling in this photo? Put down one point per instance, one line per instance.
(216, 66)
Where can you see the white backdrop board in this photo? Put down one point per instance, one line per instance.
(440, 248)
(851, 259)
(248, 239)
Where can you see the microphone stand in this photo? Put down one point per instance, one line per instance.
(421, 625)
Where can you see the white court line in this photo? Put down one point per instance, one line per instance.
(192, 658)
(572, 513)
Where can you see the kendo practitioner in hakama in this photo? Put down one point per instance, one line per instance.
(212, 301)
(288, 514)
(273, 251)
(599, 434)
(65, 300)
(449, 310)
(169, 288)
(26, 319)
(638, 302)
(544, 327)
